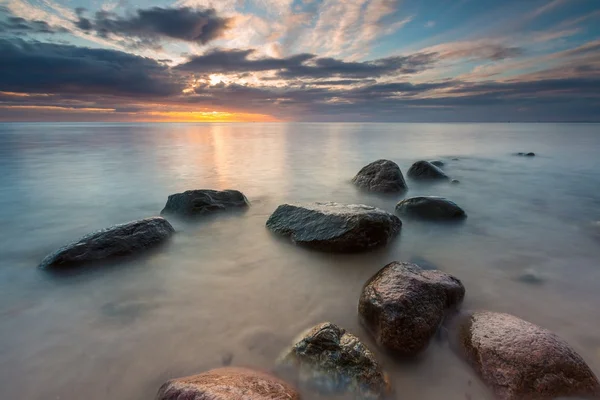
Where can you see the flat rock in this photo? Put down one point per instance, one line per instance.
(430, 207)
(119, 240)
(199, 202)
(424, 170)
(402, 305)
(228, 384)
(329, 360)
(381, 176)
(519, 360)
(335, 227)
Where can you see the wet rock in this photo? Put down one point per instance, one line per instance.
(437, 163)
(403, 305)
(199, 202)
(329, 360)
(424, 170)
(530, 154)
(335, 227)
(381, 176)
(520, 360)
(530, 276)
(119, 240)
(430, 207)
(228, 384)
(455, 181)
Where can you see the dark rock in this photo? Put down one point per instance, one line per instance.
(403, 305)
(199, 202)
(530, 276)
(424, 170)
(430, 207)
(520, 360)
(329, 360)
(381, 176)
(456, 159)
(455, 181)
(530, 155)
(119, 240)
(228, 384)
(335, 227)
(437, 163)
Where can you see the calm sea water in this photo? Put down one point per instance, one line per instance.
(226, 290)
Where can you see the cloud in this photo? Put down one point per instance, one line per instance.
(476, 50)
(304, 65)
(30, 66)
(149, 26)
(10, 24)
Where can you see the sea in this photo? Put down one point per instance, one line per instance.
(226, 291)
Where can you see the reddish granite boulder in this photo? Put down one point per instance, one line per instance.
(402, 305)
(228, 384)
(520, 360)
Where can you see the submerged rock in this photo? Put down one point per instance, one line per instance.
(329, 360)
(430, 207)
(335, 227)
(228, 384)
(119, 240)
(455, 181)
(437, 163)
(199, 202)
(381, 176)
(402, 305)
(530, 154)
(530, 276)
(520, 360)
(424, 170)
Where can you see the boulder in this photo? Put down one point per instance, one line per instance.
(437, 163)
(402, 305)
(329, 360)
(381, 176)
(335, 227)
(424, 170)
(520, 360)
(119, 240)
(430, 207)
(228, 384)
(199, 202)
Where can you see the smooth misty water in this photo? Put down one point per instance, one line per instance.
(225, 288)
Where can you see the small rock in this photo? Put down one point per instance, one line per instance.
(228, 384)
(424, 170)
(381, 176)
(437, 163)
(119, 240)
(226, 359)
(335, 227)
(455, 181)
(430, 207)
(329, 360)
(520, 360)
(199, 202)
(530, 276)
(402, 305)
(456, 159)
(525, 154)
(530, 155)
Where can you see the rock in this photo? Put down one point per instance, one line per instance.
(437, 163)
(530, 154)
(199, 202)
(228, 384)
(455, 181)
(424, 170)
(335, 227)
(402, 305)
(119, 240)
(329, 360)
(381, 176)
(530, 276)
(520, 360)
(430, 207)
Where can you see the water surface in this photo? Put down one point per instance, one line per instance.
(225, 290)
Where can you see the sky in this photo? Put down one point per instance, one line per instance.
(300, 60)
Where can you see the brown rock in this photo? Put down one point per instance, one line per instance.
(329, 360)
(403, 305)
(520, 360)
(228, 384)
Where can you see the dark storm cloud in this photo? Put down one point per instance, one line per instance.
(304, 65)
(12, 25)
(150, 25)
(35, 67)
